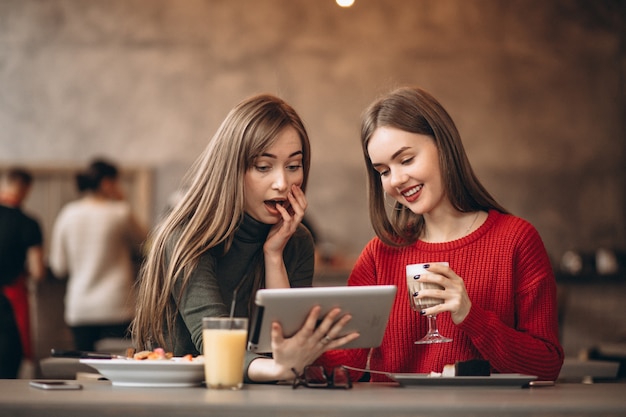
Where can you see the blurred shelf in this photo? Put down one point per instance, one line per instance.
(590, 278)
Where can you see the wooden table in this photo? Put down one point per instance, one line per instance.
(100, 398)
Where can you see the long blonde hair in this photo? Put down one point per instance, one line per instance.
(210, 210)
(414, 110)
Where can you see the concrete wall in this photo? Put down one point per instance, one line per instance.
(536, 88)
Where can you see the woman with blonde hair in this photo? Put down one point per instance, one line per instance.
(235, 229)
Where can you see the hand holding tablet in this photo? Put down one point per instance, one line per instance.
(369, 307)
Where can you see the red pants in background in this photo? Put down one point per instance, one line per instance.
(17, 293)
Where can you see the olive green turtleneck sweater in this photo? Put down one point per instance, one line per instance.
(211, 285)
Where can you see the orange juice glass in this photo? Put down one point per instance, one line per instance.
(224, 340)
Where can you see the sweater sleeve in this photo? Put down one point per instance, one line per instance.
(57, 258)
(135, 232)
(299, 258)
(201, 298)
(532, 346)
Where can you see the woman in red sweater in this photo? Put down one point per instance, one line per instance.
(499, 289)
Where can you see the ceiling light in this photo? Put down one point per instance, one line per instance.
(345, 3)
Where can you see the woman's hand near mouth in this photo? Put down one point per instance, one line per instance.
(279, 235)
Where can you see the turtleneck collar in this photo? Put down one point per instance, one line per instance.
(252, 230)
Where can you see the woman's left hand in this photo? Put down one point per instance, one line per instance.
(454, 294)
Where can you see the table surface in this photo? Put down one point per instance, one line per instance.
(100, 398)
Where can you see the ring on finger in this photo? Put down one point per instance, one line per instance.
(325, 340)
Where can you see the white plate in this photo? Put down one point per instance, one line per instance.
(493, 380)
(149, 373)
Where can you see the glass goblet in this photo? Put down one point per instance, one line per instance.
(414, 286)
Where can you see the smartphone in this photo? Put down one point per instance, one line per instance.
(541, 383)
(56, 385)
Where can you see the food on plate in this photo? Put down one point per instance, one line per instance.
(472, 367)
(156, 354)
(159, 354)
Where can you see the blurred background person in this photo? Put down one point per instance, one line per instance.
(21, 258)
(95, 240)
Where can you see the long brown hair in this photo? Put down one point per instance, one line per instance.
(414, 110)
(211, 208)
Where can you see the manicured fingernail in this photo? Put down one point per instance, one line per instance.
(426, 266)
(416, 277)
(415, 293)
(422, 312)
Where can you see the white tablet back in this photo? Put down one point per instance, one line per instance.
(369, 306)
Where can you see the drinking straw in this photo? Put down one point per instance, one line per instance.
(232, 307)
(234, 300)
(232, 304)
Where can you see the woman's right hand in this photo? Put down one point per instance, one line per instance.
(283, 230)
(304, 347)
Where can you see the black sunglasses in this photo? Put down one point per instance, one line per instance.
(314, 376)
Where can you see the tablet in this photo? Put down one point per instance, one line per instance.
(369, 306)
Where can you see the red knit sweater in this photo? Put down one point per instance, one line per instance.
(513, 320)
